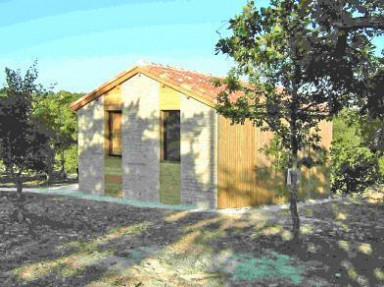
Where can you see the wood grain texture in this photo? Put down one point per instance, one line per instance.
(236, 159)
(245, 176)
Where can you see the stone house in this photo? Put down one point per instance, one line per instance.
(151, 133)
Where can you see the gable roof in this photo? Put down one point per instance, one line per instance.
(193, 84)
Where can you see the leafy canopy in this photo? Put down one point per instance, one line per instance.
(24, 138)
(304, 62)
(302, 67)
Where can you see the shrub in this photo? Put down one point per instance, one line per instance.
(354, 166)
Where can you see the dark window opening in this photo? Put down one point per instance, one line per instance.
(114, 132)
(170, 135)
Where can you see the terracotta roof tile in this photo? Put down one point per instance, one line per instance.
(195, 83)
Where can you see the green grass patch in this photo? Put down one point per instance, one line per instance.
(170, 182)
(113, 189)
(113, 167)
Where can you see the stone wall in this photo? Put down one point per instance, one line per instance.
(140, 137)
(198, 154)
(141, 145)
(91, 147)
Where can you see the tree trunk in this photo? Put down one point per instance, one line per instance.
(19, 210)
(293, 182)
(293, 203)
(50, 166)
(19, 188)
(62, 163)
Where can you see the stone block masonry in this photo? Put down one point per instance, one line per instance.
(198, 154)
(141, 138)
(91, 147)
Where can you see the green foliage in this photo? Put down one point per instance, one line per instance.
(297, 73)
(354, 166)
(53, 110)
(303, 65)
(38, 129)
(24, 138)
(70, 159)
(278, 155)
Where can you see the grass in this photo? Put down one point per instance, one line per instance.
(170, 182)
(113, 189)
(113, 168)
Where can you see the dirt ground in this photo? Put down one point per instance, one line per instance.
(74, 242)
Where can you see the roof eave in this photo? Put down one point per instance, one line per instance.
(104, 88)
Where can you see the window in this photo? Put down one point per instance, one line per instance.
(170, 135)
(114, 132)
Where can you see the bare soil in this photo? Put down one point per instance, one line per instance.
(74, 242)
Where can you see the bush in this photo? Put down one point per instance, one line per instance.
(70, 157)
(354, 166)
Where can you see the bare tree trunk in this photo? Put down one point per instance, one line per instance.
(293, 203)
(19, 187)
(293, 181)
(50, 166)
(62, 162)
(19, 211)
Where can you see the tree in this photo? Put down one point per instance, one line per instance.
(53, 110)
(356, 161)
(300, 69)
(24, 139)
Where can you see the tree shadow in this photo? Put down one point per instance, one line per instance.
(239, 249)
(91, 147)
(266, 185)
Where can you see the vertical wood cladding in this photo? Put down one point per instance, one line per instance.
(245, 177)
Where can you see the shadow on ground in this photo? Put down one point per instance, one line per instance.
(73, 242)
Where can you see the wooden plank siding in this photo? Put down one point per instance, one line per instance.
(236, 159)
(169, 98)
(112, 102)
(112, 122)
(113, 99)
(245, 177)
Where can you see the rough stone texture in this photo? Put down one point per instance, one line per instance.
(141, 138)
(141, 146)
(198, 154)
(91, 147)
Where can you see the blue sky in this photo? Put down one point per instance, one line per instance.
(81, 43)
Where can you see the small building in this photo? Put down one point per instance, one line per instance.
(151, 133)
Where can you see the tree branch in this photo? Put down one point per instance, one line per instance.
(350, 24)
